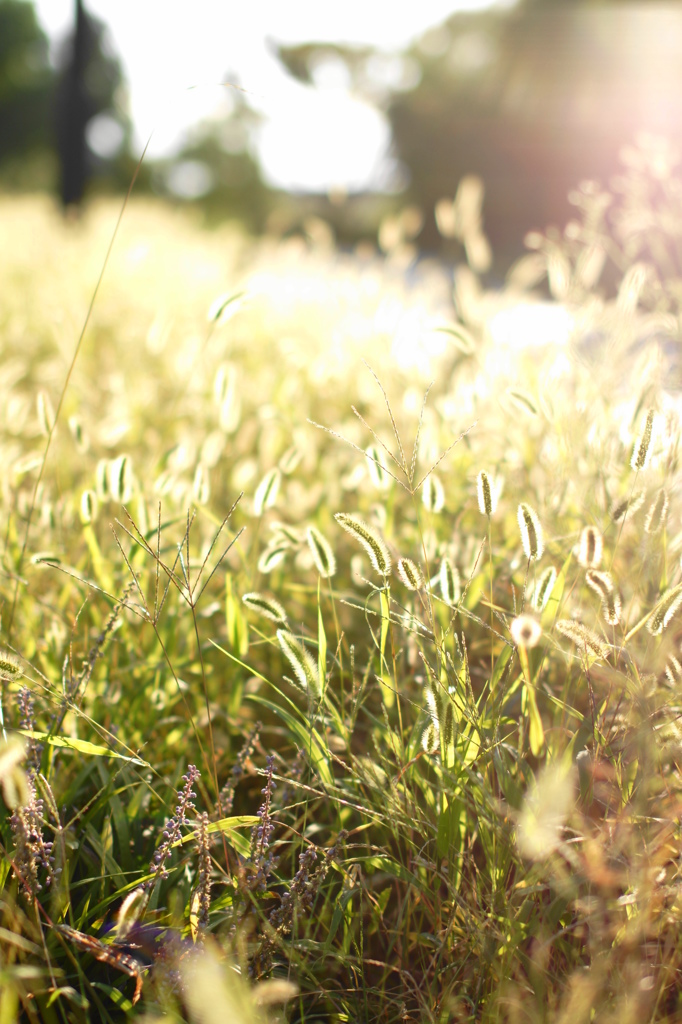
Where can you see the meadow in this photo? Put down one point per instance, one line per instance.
(340, 629)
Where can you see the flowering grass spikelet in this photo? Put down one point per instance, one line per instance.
(321, 550)
(46, 417)
(642, 448)
(10, 666)
(673, 670)
(602, 584)
(88, 507)
(119, 475)
(266, 606)
(130, 912)
(448, 577)
(410, 574)
(664, 610)
(658, 512)
(583, 637)
(433, 495)
(487, 497)
(290, 459)
(526, 631)
(531, 532)
(544, 588)
(201, 485)
(370, 540)
(271, 557)
(267, 491)
(622, 506)
(102, 480)
(590, 548)
(302, 662)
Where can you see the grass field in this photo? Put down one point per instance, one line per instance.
(341, 654)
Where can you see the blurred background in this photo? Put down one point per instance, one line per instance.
(285, 115)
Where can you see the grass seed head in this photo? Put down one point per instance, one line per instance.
(531, 532)
(376, 464)
(370, 540)
(642, 448)
(526, 631)
(673, 670)
(46, 417)
(120, 479)
(622, 506)
(89, 506)
(487, 495)
(305, 668)
(271, 557)
(130, 912)
(102, 480)
(433, 495)
(267, 491)
(602, 584)
(201, 485)
(266, 606)
(584, 638)
(544, 588)
(410, 574)
(658, 512)
(664, 610)
(321, 550)
(449, 582)
(10, 666)
(590, 548)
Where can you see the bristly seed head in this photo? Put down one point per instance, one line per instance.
(271, 557)
(376, 463)
(305, 668)
(410, 574)
(602, 584)
(119, 475)
(591, 548)
(622, 506)
(449, 582)
(664, 610)
(266, 606)
(544, 588)
(10, 666)
(642, 448)
(487, 494)
(321, 550)
(267, 491)
(658, 512)
(526, 631)
(673, 670)
(531, 532)
(370, 540)
(433, 495)
(89, 507)
(583, 637)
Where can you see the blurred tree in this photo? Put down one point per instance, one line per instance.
(93, 132)
(218, 168)
(26, 83)
(533, 98)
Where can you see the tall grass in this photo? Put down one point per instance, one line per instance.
(371, 722)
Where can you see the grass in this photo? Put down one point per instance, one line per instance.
(341, 650)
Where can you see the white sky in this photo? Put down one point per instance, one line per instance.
(175, 55)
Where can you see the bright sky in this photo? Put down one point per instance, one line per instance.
(174, 56)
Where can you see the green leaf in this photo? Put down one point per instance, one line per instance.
(82, 746)
(308, 738)
(536, 733)
(321, 642)
(227, 826)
